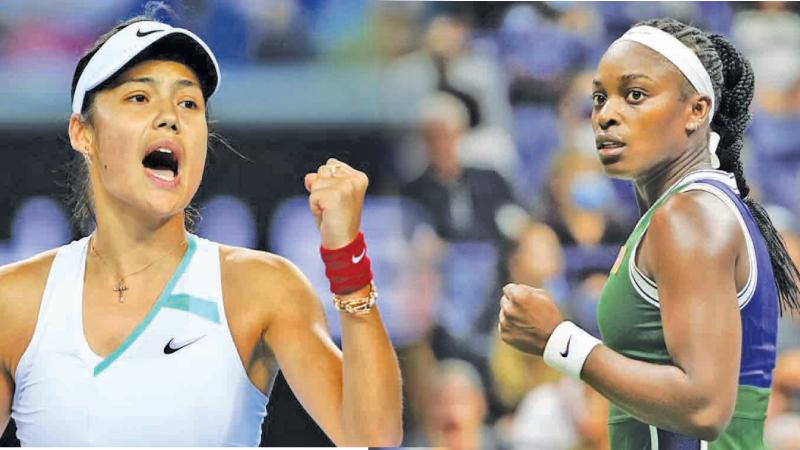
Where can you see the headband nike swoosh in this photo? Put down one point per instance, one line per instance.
(140, 33)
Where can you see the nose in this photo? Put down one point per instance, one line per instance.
(167, 118)
(607, 115)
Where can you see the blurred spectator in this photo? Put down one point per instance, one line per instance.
(463, 201)
(399, 26)
(575, 115)
(583, 302)
(774, 153)
(787, 225)
(580, 203)
(536, 260)
(549, 411)
(538, 54)
(560, 415)
(515, 374)
(279, 30)
(446, 62)
(770, 38)
(455, 410)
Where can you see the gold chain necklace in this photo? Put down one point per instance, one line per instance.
(121, 287)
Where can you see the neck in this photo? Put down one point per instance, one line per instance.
(447, 173)
(126, 243)
(651, 185)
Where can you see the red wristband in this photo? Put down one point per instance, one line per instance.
(348, 268)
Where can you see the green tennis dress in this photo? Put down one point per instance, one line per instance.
(630, 323)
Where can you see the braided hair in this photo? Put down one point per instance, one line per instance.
(733, 82)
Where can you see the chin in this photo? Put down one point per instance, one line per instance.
(614, 167)
(165, 207)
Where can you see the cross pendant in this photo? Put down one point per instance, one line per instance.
(121, 288)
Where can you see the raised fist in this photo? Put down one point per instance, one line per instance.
(336, 196)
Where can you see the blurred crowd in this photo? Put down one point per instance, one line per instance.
(493, 178)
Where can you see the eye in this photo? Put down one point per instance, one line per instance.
(189, 104)
(635, 96)
(598, 99)
(137, 98)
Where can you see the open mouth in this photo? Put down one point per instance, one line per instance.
(163, 163)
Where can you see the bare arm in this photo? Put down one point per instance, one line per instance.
(6, 392)
(691, 248)
(373, 398)
(355, 398)
(6, 383)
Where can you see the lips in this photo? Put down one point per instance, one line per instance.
(608, 141)
(608, 145)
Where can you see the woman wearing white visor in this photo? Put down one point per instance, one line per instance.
(689, 313)
(142, 334)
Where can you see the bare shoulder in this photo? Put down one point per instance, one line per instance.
(691, 228)
(21, 287)
(695, 219)
(244, 266)
(264, 282)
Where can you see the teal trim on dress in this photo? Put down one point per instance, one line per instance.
(206, 309)
(162, 298)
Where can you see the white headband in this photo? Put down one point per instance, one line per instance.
(686, 61)
(128, 42)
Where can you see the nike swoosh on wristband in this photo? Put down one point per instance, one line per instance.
(140, 33)
(169, 349)
(357, 259)
(565, 353)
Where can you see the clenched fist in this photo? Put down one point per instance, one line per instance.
(337, 194)
(528, 317)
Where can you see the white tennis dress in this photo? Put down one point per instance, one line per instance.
(177, 380)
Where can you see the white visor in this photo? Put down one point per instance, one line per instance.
(132, 40)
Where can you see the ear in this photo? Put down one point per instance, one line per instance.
(698, 115)
(81, 135)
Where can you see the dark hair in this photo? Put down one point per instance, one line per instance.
(79, 184)
(733, 81)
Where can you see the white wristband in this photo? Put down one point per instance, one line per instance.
(568, 348)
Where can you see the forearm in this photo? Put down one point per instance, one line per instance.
(372, 388)
(661, 395)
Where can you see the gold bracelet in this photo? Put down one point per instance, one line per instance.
(358, 305)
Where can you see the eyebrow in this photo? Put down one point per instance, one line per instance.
(632, 76)
(627, 78)
(148, 80)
